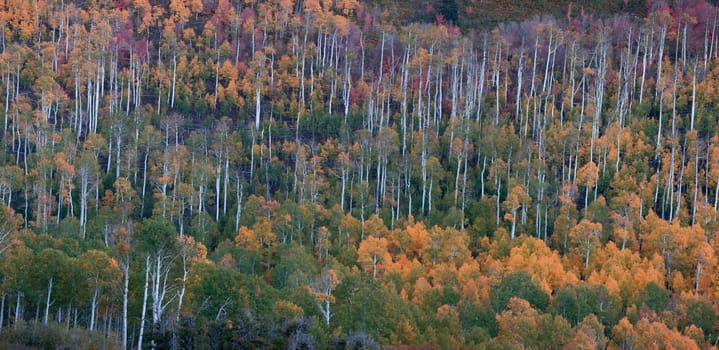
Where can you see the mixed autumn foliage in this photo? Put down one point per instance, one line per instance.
(317, 174)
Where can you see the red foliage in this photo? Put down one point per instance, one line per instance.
(440, 20)
(141, 48)
(120, 4)
(359, 93)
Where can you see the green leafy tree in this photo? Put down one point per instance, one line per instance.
(518, 285)
(156, 240)
(47, 271)
(101, 273)
(17, 264)
(575, 302)
(652, 296)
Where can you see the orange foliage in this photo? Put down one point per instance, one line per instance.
(624, 272)
(543, 264)
(372, 255)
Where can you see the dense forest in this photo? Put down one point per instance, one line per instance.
(480, 15)
(316, 174)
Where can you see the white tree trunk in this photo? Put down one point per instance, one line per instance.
(125, 293)
(47, 302)
(2, 310)
(144, 302)
(93, 308)
(257, 106)
(181, 294)
(18, 314)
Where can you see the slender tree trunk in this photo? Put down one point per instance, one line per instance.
(181, 294)
(694, 96)
(2, 311)
(47, 301)
(125, 298)
(499, 191)
(514, 223)
(174, 79)
(226, 186)
(93, 308)
(144, 302)
(257, 103)
(144, 180)
(586, 258)
(18, 310)
(657, 90)
(218, 176)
